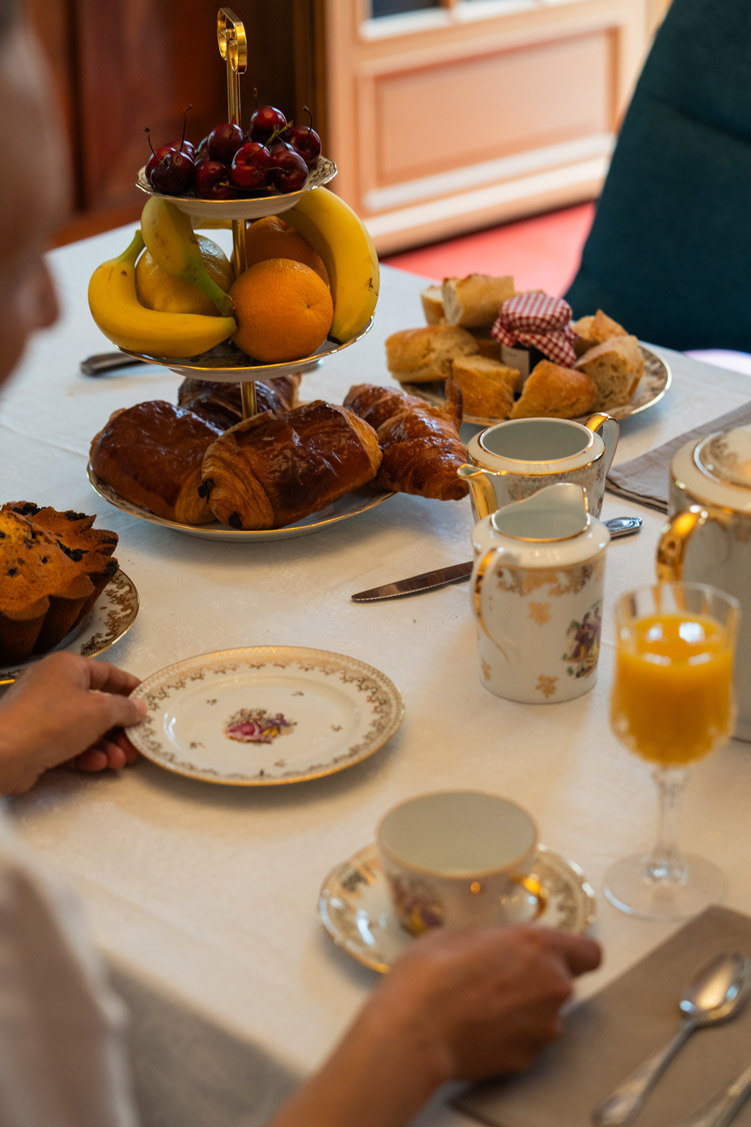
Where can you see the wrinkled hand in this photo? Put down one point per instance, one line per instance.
(65, 709)
(486, 1001)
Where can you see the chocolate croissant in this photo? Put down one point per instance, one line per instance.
(272, 470)
(421, 446)
(151, 455)
(221, 403)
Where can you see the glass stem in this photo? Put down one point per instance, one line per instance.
(665, 864)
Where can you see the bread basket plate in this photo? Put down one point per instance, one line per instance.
(265, 715)
(652, 386)
(109, 619)
(226, 363)
(267, 202)
(350, 505)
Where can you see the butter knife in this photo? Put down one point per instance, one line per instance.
(455, 573)
(723, 1108)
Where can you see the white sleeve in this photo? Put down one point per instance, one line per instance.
(62, 1056)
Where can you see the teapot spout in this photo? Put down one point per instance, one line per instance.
(481, 488)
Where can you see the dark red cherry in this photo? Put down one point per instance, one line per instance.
(213, 182)
(250, 166)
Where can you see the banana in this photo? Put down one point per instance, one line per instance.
(168, 234)
(335, 231)
(128, 324)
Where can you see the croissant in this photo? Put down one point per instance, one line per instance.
(151, 455)
(421, 446)
(273, 470)
(221, 403)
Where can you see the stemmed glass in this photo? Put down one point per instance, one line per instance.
(672, 703)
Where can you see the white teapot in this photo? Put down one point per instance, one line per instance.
(536, 591)
(708, 536)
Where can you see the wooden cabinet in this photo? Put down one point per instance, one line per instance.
(461, 113)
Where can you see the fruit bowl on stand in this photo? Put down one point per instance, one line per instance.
(226, 363)
(266, 202)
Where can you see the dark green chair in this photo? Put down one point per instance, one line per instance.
(669, 252)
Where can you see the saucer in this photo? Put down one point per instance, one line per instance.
(355, 908)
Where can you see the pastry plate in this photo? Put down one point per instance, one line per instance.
(355, 908)
(349, 505)
(265, 715)
(226, 363)
(270, 202)
(652, 386)
(112, 615)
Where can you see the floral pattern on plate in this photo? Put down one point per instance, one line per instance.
(355, 908)
(343, 711)
(112, 615)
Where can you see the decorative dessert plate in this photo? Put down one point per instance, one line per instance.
(226, 363)
(112, 615)
(265, 715)
(355, 908)
(652, 386)
(347, 506)
(267, 202)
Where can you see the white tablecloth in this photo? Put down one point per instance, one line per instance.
(204, 897)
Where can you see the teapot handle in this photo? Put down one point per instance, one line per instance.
(610, 428)
(675, 537)
(485, 567)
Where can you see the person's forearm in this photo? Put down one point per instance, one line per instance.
(380, 1075)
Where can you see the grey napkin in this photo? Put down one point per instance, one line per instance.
(645, 479)
(610, 1034)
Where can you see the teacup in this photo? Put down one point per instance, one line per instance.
(459, 858)
(513, 459)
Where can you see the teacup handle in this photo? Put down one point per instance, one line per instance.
(535, 888)
(486, 567)
(600, 421)
(671, 550)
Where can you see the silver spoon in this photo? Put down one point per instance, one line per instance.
(715, 994)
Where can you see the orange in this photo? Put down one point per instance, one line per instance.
(271, 237)
(283, 310)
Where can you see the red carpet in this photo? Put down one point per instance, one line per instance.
(540, 253)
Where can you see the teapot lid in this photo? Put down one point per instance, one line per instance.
(726, 457)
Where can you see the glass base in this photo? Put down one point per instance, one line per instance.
(628, 887)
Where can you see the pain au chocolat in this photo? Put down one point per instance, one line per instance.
(151, 455)
(275, 469)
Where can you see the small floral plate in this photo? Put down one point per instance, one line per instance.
(112, 615)
(265, 715)
(355, 908)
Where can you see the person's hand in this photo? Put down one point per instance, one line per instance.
(65, 709)
(458, 1005)
(485, 1001)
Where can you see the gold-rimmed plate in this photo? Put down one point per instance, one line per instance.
(350, 505)
(355, 908)
(652, 386)
(267, 202)
(109, 619)
(265, 715)
(226, 363)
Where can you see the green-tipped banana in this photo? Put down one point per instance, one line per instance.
(338, 235)
(121, 317)
(168, 234)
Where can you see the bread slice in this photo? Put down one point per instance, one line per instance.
(487, 386)
(432, 304)
(616, 366)
(419, 355)
(487, 345)
(473, 302)
(555, 392)
(595, 329)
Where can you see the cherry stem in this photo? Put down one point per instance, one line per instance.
(185, 124)
(310, 115)
(147, 131)
(277, 133)
(255, 97)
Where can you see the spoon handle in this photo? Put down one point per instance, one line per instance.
(723, 1108)
(625, 1101)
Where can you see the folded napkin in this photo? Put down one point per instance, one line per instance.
(645, 479)
(610, 1034)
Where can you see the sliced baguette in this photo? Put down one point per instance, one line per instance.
(473, 302)
(419, 355)
(616, 366)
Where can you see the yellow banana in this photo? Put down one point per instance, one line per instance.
(335, 231)
(121, 317)
(168, 234)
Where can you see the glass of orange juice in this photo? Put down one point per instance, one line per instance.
(672, 702)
